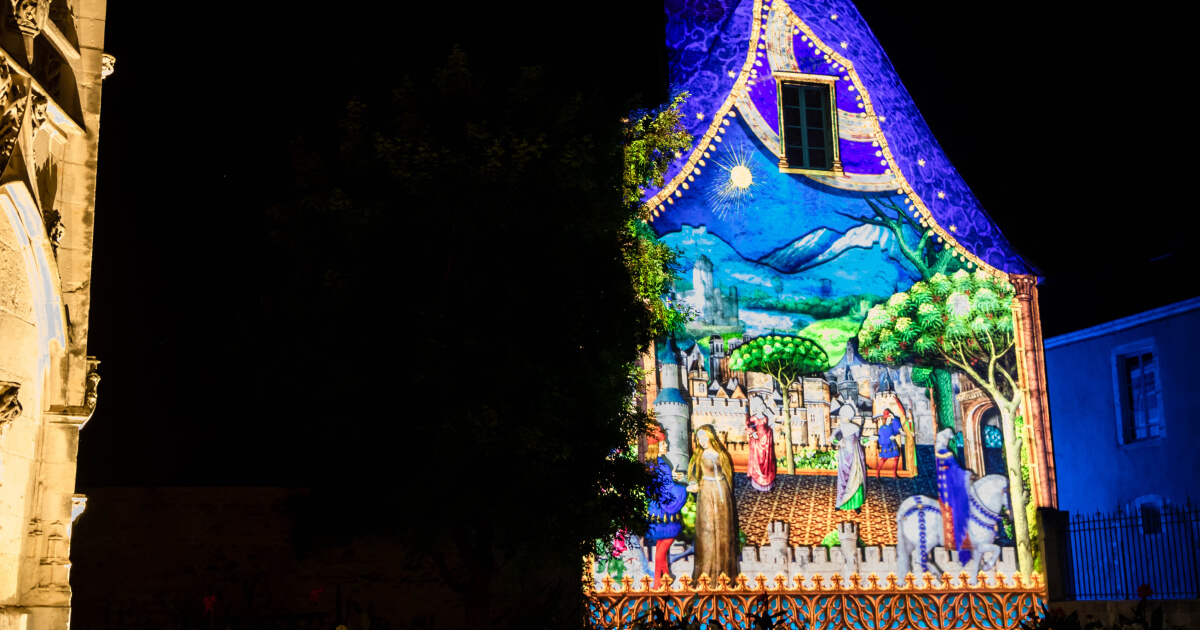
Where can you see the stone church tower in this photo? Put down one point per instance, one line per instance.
(52, 63)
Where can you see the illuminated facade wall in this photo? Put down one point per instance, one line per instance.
(817, 210)
(1096, 423)
(50, 75)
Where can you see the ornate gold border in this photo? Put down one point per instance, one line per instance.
(834, 582)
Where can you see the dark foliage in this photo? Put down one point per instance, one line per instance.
(458, 260)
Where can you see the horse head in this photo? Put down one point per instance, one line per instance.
(992, 492)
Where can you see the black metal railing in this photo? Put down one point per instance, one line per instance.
(1117, 555)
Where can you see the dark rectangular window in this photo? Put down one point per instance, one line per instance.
(807, 126)
(1151, 519)
(1139, 375)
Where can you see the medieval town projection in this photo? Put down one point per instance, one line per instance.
(846, 398)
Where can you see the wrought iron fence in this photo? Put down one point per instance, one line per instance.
(1117, 555)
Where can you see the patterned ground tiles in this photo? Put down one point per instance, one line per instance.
(806, 503)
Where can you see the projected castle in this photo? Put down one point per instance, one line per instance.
(695, 390)
(715, 306)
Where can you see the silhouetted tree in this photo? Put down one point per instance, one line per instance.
(472, 325)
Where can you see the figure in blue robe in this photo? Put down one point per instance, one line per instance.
(954, 484)
(891, 433)
(665, 520)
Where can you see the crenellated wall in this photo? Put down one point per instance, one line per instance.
(779, 558)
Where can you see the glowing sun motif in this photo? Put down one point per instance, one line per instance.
(735, 186)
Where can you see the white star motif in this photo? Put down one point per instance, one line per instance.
(953, 229)
(921, 162)
(845, 44)
(941, 194)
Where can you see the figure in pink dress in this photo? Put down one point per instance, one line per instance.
(760, 462)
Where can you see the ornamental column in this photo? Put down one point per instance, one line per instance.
(1031, 362)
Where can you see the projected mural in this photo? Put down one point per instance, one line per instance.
(858, 392)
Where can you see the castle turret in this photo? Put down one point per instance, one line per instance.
(848, 388)
(671, 409)
(716, 358)
(702, 288)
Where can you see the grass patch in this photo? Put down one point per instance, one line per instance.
(832, 335)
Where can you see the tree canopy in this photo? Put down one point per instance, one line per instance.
(782, 356)
(786, 358)
(964, 321)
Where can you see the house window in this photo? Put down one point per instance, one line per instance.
(808, 123)
(807, 140)
(1141, 416)
(1151, 519)
(1149, 509)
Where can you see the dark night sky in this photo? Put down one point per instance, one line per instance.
(199, 111)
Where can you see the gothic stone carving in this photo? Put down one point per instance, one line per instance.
(10, 407)
(38, 114)
(93, 381)
(56, 233)
(29, 16)
(108, 64)
(12, 108)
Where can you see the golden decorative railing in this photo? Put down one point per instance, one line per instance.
(825, 603)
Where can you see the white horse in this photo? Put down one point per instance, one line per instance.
(919, 522)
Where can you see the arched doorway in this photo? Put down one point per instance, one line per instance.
(991, 437)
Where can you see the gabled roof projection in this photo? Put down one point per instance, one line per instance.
(726, 55)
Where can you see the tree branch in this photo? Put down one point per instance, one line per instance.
(1012, 344)
(879, 213)
(1016, 390)
(865, 220)
(992, 360)
(884, 220)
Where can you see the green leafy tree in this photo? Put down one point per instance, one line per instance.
(650, 141)
(964, 322)
(785, 358)
(920, 247)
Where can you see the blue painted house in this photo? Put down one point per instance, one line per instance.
(1123, 430)
(1121, 394)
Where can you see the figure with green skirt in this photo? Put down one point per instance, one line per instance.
(852, 467)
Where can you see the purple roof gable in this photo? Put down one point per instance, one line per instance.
(708, 40)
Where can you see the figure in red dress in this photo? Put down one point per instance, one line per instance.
(760, 462)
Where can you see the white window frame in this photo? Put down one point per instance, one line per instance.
(1119, 353)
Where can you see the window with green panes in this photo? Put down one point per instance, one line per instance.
(807, 128)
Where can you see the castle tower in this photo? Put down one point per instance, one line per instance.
(847, 387)
(730, 306)
(671, 409)
(702, 288)
(669, 372)
(716, 354)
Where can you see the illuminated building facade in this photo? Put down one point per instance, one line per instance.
(824, 230)
(51, 67)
